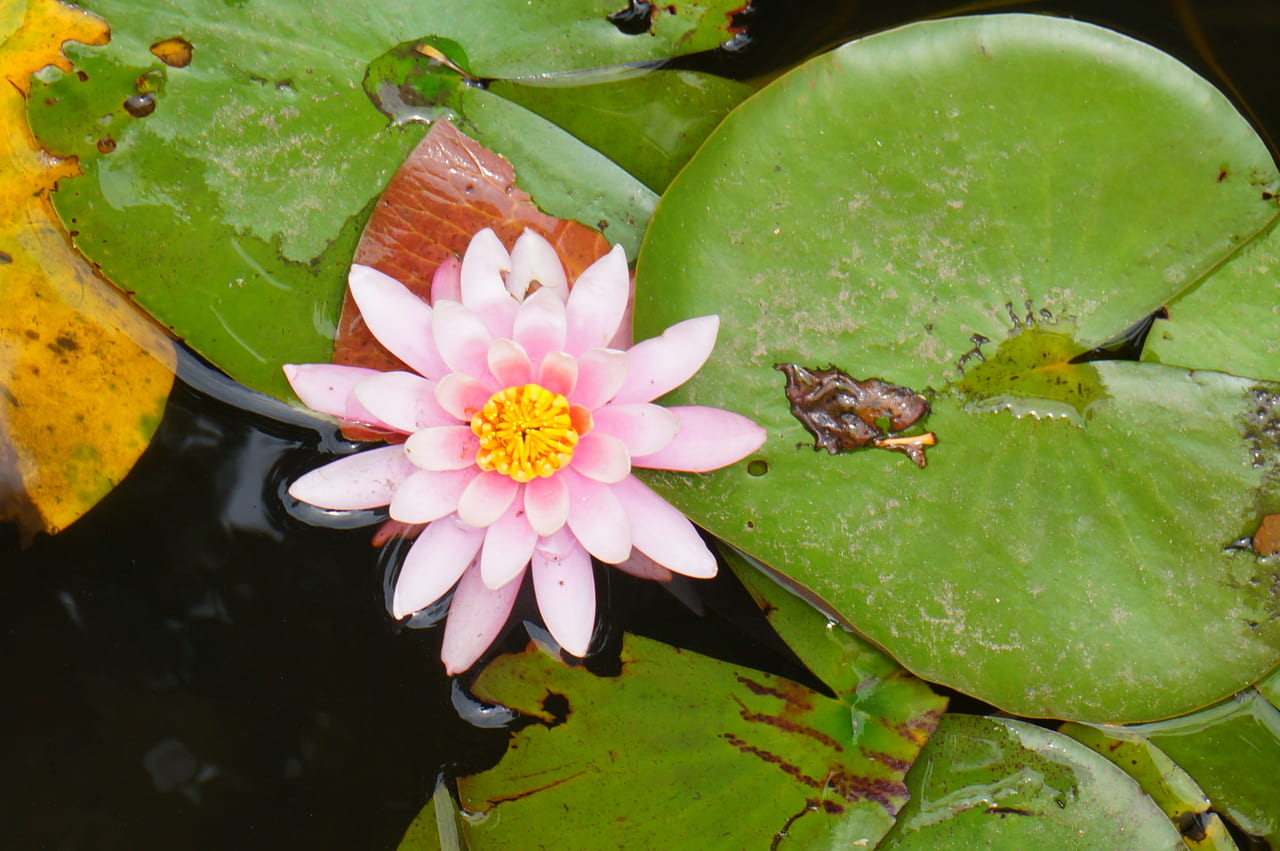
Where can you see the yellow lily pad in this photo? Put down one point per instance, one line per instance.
(83, 376)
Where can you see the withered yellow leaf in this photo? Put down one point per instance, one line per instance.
(83, 375)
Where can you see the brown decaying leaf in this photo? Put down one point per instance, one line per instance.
(843, 413)
(448, 189)
(1267, 539)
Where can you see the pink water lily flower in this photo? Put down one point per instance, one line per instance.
(523, 426)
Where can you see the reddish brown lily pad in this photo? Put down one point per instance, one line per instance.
(449, 188)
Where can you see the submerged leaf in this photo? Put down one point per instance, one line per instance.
(83, 378)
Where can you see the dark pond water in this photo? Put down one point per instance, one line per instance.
(192, 667)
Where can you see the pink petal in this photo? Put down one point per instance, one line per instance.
(565, 586)
(546, 504)
(661, 364)
(597, 302)
(434, 563)
(443, 448)
(642, 427)
(660, 531)
(625, 335)
(641, 566)
(483, 290)
(558, 373)
(540, 324)
(508, 544)
(367, 479)
(476, 616)
(509, 363)
(330, 389)
(534, 259)
(462, 338)
(428, 495)
(399, 319)
(597, 518)
(462, 396)
(446, 283)
(708, 439)
(600, 374)
(486, 498)
(601, 457)
(404, 400)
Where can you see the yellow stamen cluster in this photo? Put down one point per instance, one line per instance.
(524, 432)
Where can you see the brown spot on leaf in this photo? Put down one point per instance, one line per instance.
(1267, 539)
(174, 52)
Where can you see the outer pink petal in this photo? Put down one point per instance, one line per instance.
(399, 319)
(625, 335)
(429, 495)
(558, 373)
(565, 586)
(661, 364)
(487, 498)
(643, 427)
(508, 544)
(640, 565)
(462, 338)
(462, 396)
(451, 447)
(367, 479)
(597, 302)
(509, 363)
(434, 563)
(600, 374)
(546, 504)
(601, 457)
(540, 324)
(476, 616)
(661, 532)
(330, 389)
(483, 290)
(405, 400)
(535, 259)
(708, 439)
(446, 283)
(597, 518)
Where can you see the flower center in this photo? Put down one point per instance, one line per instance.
(525, 432)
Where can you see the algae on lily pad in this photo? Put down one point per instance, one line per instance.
(987, 211)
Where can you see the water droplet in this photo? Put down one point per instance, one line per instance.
(758, 467)
(140, 106)
(106, 145)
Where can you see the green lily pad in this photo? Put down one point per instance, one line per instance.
(1165, 782)
(1232, 750)
(720, 753)
(649, 124)
(225, 185)
(1003, 784)
(979, 191)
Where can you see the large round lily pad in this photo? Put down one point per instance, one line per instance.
(1010, 192)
